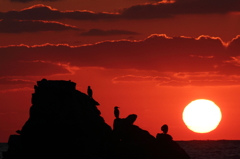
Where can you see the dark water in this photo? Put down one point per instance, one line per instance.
(197, 149)
(3, 147)
(219, 149)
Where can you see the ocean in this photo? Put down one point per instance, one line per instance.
(198, 149)
(212, 149)
(3, 147)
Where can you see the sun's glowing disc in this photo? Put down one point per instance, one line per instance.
(202, 116)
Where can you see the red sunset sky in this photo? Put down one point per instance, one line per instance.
(148, 57)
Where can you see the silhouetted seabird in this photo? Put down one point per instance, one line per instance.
(164, 128)
(18, 131)
(89, 92)
(116, 112)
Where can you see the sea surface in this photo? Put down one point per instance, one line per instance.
(3, 147)
(212, 149)
(198, 149)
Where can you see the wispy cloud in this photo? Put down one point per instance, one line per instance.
(19, 26)
(16, 90)
(14, 81)
(162, 9)
(26, 1)
(14, 67)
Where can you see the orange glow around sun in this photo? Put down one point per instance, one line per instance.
(202, 116)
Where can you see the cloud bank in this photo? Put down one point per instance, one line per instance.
(162, 9)
(179, 60)
(43, 12)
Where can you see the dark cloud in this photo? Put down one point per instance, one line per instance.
(144, 11)
(99, 32)
(155, 53)
(26, 1)
(19, 26)
(163, 10)
(234, 46)
(181, 61)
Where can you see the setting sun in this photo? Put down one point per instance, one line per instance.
(202, 116)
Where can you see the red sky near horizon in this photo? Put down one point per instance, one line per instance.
(148, 57)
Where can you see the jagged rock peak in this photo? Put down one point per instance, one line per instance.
(56, 84)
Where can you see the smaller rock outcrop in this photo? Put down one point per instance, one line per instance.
(134, 142)
(169, 148)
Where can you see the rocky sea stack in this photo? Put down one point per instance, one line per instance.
(65, 123)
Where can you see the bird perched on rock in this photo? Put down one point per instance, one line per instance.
(89, 92)
(116, 112)
(164, 128)
(19, 132)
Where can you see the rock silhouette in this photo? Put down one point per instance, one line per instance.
(132, 141)
(65, 123)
